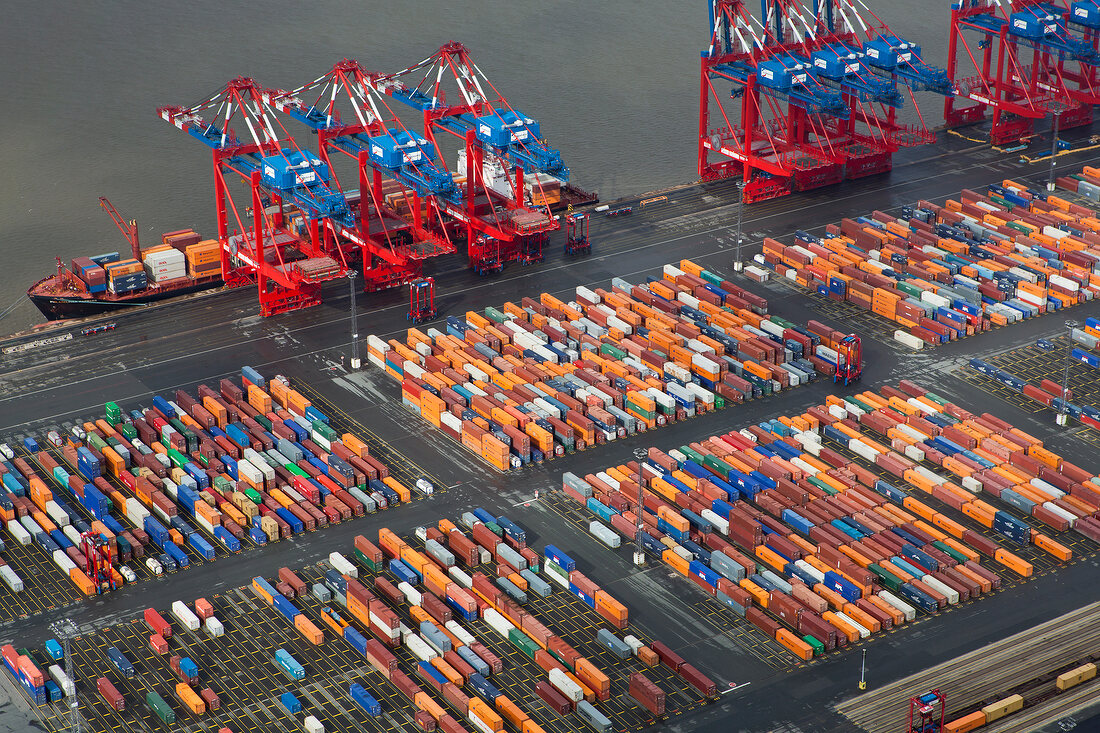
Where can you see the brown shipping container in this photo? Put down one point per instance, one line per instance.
(110, 694)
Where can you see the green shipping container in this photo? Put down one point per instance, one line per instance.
(96, 442)
(937, 399)
(861, 404)
(163, 710)
(291, 468)
(610, 350)
(909, 289)
(371, 565)
(560, 659)
(324, 431)
(692, 454)
(523, 642)
(719, 402)
(264, 422)
(891, 581)
(128, 430)
(948, 549)
(495, 315)
(254, 496)
(113, 412)
(177, 458)
(222, 484)
(818, 647)
(822, 485)
(495, 528)
(710, 277)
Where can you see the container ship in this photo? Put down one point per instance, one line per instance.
(181, 264)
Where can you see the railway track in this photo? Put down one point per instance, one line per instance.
(1032, 718)
(983, 674)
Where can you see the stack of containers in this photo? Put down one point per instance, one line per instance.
(180, 239)
(434, 586)
(93, 275)
(29, 676)
(273, 473)
(947, 272)
(203, 258)
(265, 592)
(125, 276)
(769, 517)
(533, 381)
(1047, 393)
(164, 263)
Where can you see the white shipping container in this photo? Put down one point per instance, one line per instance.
(420, 648)
(556, 574)
(59, 516)
(62, 680)
(460, 633)
(810, 570)
(70, 532)
(19, 532)
(247, 471)
(184, 615)
(934, 478)
(499, 624)
(807, 468)
(63, 561)
(671, 272)
(214, 627)
(838, 412)
(940, 587)
(379, 345)
(341, 565)
(11, 578)
(908, 611)
(460, 576)
(913, 453)
(689, 300)
(605, 535)
(722, 525)
(862, 449)
(566, 686)
(864, 632)
(683, 553)
(633, 642)
(908, 339)
(587, 295)
(412, 595)
(971, 484)
(312, 725)
(1039, 485)
(702, 395)
(1071, 518)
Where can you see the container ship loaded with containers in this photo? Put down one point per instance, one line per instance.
(183, 263)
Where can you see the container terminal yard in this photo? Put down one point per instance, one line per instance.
(840, 475)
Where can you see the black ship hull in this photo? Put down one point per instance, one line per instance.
(58, 307)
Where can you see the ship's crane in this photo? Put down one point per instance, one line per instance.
(128, 227)
(401, 184)
(500, 145)
(287, 260)
(1027, 62)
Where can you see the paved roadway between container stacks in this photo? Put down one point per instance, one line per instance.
(162, 348)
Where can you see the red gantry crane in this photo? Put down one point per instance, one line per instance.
(1018, 61)
(510, 175)
(397, 209)
(286, 237)
(815, 104)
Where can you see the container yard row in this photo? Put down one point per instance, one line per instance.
(1049, 391)
(473, 629)
(810, 527)
(533, 381)
(946, 272)
(186, 479)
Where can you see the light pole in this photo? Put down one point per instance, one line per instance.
(1062, 419)
(355, 363)
(738, 265)
(66, 630)
(863, 672)
(640, 455)
(1053, 150)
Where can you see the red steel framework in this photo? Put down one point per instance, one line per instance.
(499, 226)
(1025, 64)
(398, 221)
(814, 132)
(286, 267)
